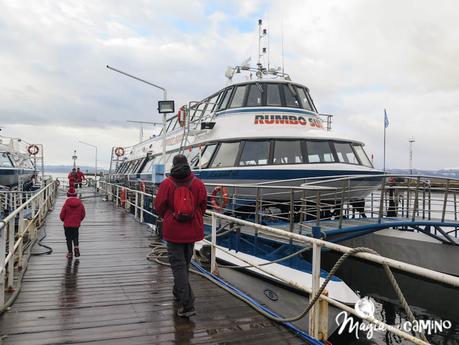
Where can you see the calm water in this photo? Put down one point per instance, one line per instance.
(428, 301)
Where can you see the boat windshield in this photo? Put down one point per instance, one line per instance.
(5, 161)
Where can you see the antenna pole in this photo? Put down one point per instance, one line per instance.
(282, 42)
(268, 40)
(260, 22)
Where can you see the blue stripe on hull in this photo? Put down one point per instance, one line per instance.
(274, 174)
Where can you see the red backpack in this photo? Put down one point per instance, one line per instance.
(184, 205)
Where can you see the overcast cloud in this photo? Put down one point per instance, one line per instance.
(357, 57)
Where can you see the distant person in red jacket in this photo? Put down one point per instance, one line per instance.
(181, 201)
(72, 214)
(72, 176)
(80, 178)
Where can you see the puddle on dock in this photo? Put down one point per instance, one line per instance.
(428, 301)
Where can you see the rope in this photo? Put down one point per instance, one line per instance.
(159, 251)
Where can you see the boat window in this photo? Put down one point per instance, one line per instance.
(362, 155)
(226, 99)
(126, 168)
(238, 98)
(319, 152)
(219, 97)
(212, 102)
(226, 155)
(255, 95)
(206, 155)
(302, 95)
(131, 167)
(290, 97)
(255, 153)
(139, 165)
(273, 96)
(5, 161)
(192, 155)
(147, 168)
(345, 153)
(288, 152)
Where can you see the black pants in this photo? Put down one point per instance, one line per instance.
(180, 257)
(71, 236)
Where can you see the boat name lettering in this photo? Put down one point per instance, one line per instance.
(287, 120)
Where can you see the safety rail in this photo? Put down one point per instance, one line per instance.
(18, 233)
(334, 203)
(10, 200)
(113, 191)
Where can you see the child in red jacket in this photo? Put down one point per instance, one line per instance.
(72, 214)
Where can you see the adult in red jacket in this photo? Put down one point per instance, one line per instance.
(72, 176)
(181, 235)
(72, 213)
(80, 178)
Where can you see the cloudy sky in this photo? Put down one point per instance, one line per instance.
(357, 57)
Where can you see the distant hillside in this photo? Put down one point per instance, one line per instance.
(67, 168)
(453, 172)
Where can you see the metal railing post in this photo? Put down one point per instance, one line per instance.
(318, 208)
(341, 210)
(213, 249)
(136, 210)
(416, 201)
(455, 206)
(142, 203)
(445, 201)
(408, 198)
(381, 201)
(292, 211)
(314, 314)
(3, 233)
(21, 238)
(11, 250)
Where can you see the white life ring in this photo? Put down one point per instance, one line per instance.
(33, 150)
(119, 151)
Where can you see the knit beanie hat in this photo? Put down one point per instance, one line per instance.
(71, 192)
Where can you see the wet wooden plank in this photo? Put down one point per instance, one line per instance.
(113, 295)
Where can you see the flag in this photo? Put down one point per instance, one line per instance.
(386, 119)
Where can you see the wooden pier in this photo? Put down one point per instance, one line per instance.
(113, 295)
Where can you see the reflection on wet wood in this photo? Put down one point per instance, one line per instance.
(113, 295)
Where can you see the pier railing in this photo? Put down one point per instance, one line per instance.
(133, 199)
(18, 233)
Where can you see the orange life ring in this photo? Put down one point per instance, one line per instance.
(33, 150)
(123, 197)
(181, 116)
(142, 186)
(224, 196)
(119, 151)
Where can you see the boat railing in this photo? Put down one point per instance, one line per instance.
(416, 203)
(327, 120)
(18, 233)
(318, 314)
(10, 200)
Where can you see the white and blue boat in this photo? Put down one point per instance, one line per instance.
(261, 130)
(16, 167)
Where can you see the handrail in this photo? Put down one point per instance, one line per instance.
(14, 229)
(316, 244)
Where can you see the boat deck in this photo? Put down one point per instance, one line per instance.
(113, 295)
